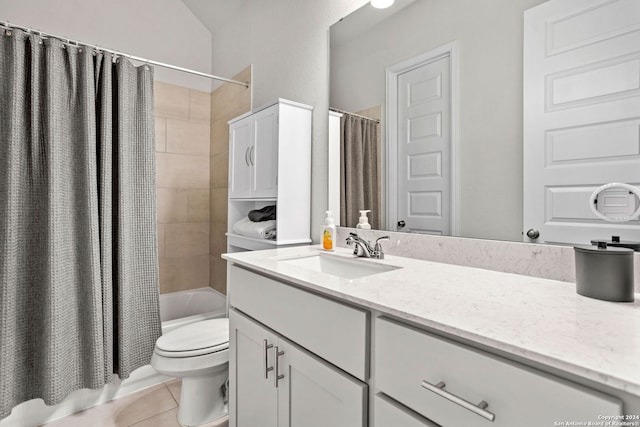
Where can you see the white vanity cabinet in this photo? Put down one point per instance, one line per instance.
(455, 385)
(276, 383)
(270, 164)
(273, 380)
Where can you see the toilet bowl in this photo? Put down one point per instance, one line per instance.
(197, 353)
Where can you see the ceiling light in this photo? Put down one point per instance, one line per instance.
(381, 4)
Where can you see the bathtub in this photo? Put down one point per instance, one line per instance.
(184, 307)
(176, 309)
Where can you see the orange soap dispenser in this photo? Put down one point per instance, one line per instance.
(328, 233)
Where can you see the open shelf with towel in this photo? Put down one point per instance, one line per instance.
(270, 164)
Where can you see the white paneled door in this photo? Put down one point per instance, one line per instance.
(581, 115)
(424, 148)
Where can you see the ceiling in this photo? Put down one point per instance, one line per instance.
(367, 17)
(213, 13)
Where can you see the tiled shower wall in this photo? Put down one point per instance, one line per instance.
(227, 101)
(182, 118)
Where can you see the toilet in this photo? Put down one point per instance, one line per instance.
(197, 353)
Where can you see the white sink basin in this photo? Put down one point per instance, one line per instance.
(347, 268)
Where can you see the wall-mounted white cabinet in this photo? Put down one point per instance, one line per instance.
(270, 164)
(253, 155)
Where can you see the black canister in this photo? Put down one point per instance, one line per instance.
(605, 273)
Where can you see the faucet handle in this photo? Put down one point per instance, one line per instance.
(378, 252)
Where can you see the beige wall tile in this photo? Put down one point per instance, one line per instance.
(219, 136)
(212, 276)
(218, 209)
(182, 171)
(188, 137)
(179, 274)
(220, 170)
(198, 206)
(160, 240)
(227, 102)
(199, 105)
(219, 245)
(173, 205)
(188, 239)
(219, 274)
(161, 134)
(224, 103)
(171, 100)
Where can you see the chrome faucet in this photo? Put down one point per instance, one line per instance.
(363, 247)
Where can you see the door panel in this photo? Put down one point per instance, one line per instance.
(263, 156)
(581, 115)
(315, 394)
(239, 169)
(253, 398)
(424, 152)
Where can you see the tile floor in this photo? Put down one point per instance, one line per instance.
(155, 406)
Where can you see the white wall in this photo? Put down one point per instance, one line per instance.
(489, 35)
(162, 30)
(287, 43)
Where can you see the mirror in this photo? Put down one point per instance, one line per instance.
(371, 50)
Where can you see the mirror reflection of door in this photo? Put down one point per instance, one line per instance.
(581, 116)
(423, 147)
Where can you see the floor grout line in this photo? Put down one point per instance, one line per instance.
(172, 396)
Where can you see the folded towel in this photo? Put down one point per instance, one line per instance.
(257, 230)
(265, 214)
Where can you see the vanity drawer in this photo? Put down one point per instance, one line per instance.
(390, 414)
(336, 332)
(407, 359)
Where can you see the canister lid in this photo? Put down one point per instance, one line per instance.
(603, 249)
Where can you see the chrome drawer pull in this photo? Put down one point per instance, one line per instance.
(265, 348)
(278, 376)
(479, 409)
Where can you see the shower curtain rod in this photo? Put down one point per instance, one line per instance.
(7, 25)
(353, 114)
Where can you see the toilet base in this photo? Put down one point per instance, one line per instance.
(202, 399)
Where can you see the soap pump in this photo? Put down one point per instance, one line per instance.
(328, 232)
(363, 221)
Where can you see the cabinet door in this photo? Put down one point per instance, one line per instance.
(240, 134)
(263, 155)
(313, 393)
(253, 397)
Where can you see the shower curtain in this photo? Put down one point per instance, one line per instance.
(359, 180)
(78, 257)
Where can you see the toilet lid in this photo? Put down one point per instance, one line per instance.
(196, 338)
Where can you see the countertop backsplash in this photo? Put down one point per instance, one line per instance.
(554, 262)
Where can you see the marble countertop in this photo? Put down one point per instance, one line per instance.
(541, 320)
